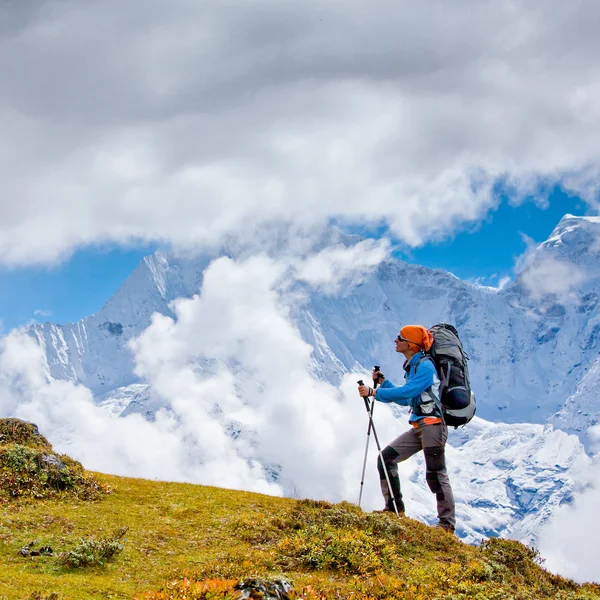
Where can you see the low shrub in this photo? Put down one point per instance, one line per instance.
(16, 431)
(509, 560)
(348, 552)
(29, 472)
(30, 468)
(231, 589)
(92, 551)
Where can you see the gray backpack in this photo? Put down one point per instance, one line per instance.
(450, 360)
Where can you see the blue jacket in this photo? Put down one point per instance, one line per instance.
(420, 392)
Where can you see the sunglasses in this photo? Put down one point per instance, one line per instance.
(401, 339)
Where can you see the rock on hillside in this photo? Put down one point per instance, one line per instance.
(29, 467)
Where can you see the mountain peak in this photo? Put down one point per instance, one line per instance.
(590, 219)
(579, 233)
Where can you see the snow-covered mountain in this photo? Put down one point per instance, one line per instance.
(531, 344)
(582, 408)
(509, 478)
(534, 347)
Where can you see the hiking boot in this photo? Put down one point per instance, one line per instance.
(446, 527)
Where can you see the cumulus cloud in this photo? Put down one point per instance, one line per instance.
(241, 408)
(131, 446)
(187, 122)
(569, 541)
(239, 318)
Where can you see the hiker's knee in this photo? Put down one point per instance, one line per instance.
(435, 462)
(389, 455)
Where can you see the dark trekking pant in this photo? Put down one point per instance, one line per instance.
(432, 440)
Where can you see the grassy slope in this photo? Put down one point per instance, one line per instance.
(170, 526)
(182, 530)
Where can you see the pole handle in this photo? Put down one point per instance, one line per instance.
(376, 368)
(361, 382)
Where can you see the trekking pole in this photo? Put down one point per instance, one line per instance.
(372, 427)
(370, 408)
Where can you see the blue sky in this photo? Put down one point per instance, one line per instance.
(484, 251)
(488, 250)
(68, 291)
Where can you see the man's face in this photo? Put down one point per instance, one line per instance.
(401, 344)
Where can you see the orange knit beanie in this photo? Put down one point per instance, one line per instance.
(421, 338)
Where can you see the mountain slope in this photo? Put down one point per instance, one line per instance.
(582, 409)
(180, 534)
(529, 346)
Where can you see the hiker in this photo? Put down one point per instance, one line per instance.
(428, 430)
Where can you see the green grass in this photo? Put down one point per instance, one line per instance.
(182, 533)
(29, 467)
(172, 527)
(157, 541)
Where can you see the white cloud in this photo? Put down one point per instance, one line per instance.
(526, 257)
(548, 276)
(42, 313)
(594, 434)
(488, 282)
(503, 282)
(328, 268)
(257, 379)
(569, 541)
(205, 119)
(67, 414)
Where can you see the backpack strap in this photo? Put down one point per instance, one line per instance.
(436, 400)
(445, 380)
(423, 359)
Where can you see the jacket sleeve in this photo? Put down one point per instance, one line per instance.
(415, 386)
